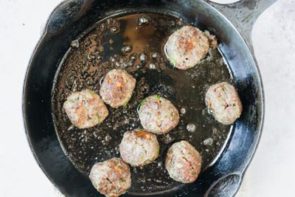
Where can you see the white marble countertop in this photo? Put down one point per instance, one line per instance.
(271, 172)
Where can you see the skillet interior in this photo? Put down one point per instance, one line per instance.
(85, 66)
(66, 25)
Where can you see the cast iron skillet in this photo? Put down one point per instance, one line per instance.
(72, 17)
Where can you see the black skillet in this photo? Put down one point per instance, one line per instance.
(72, 17)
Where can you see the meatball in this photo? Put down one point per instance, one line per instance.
(85, 109)
(188, 46)
(117, 88)
(139, 147)
(224, 103)
(111, 178)
(183, 162)
(158, 115)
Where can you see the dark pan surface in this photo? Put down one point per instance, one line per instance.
(68, 21)
(100, 51)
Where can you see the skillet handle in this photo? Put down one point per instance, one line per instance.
(67, 12)
(226, 186)
(243, 14)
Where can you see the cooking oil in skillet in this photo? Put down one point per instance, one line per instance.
(135, 42)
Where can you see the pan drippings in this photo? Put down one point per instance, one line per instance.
(135, 43)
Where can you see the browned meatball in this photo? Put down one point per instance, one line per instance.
(139, 147)
(224, 103)
(111, 178)
(183, 162)
(187, 46)
(158, 115)
(117, 88)
(85, 109)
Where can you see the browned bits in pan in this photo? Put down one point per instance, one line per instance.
(86, 65)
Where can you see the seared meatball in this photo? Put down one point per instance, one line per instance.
(139, 147)
(117, 88)
(183, 162)
(158, 115)
(85, 109)
(111, 178)
(188, 46)
(224, 103)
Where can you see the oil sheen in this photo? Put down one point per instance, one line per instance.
(135, 42)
